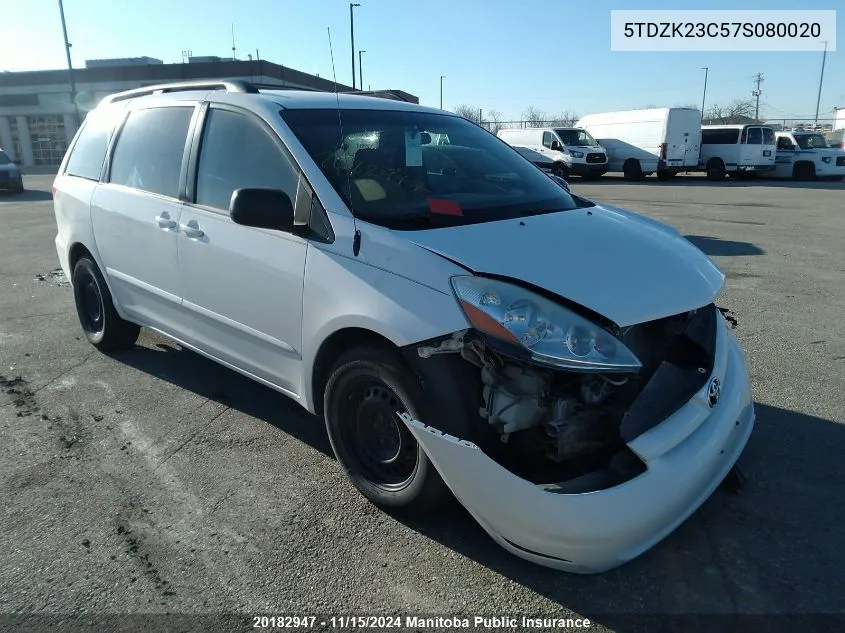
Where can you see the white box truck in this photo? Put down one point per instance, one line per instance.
(573, 150)
(641, 142)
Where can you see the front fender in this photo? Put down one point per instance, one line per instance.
(343, 292)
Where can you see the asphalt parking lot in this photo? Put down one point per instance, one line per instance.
(155, 481)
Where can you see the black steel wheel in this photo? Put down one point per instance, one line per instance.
(367, 390)
(100, 322)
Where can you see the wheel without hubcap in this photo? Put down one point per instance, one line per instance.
(100, 322)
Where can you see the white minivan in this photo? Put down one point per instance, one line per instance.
(455, 317)
(737, 150)
(641, 142)
(573, 150)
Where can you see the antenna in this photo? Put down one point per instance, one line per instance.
(356, 234)
(233, 42)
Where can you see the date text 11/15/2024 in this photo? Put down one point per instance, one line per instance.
(417, 622)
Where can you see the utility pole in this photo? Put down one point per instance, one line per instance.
(360, 70)
(706, 69)
(352, 5)
(756, 93)
(441, 91)
(821, 79)
(69, 66)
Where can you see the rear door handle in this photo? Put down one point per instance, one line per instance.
(191, 230)
(165, 222)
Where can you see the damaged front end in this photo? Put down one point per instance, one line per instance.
(590, 449)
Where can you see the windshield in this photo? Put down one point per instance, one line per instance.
(810, 141)
(576, 138)
(405, 169)
(4, 158)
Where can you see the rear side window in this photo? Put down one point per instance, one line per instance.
(768, 136)
(755, 136)
(89, 151)
(727, 136)
(149, 150)
(237, 152)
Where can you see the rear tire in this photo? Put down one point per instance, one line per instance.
(804, 171)
(632, 170)
(100, 322)
(715, 169)
(380, 455)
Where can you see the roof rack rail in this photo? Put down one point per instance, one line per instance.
(232, 85)
(277, 87)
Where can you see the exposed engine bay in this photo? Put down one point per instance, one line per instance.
(567, 430)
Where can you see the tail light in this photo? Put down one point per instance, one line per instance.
(53, 191)
(663, 147)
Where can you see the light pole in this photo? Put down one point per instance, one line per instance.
(441, 91)
(706, 69)
(360, 70)
(69, 65)
(821, 78)
(352, 6)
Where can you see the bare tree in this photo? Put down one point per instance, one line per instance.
(469, 112)
(493, 121)
(563, 119)
(534, 117)
(738, 111)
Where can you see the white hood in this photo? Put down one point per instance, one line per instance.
(627, 268)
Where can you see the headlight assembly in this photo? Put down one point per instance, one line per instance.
(550, 333)
(577, 154)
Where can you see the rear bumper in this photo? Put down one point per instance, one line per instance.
(687, 456)
(62, 250)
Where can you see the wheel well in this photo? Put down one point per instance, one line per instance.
(330, 351)
(804, 163)
(77, 251)
(714, 161)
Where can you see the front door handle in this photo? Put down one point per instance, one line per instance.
(191, 230)
(165, 222)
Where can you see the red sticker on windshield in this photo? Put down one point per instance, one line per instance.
(444, 207)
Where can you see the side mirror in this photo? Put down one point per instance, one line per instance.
(556, 146)
(262, 208)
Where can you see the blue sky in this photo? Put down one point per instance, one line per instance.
(496, 54)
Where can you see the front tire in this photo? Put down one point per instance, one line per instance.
(804, 171)
(560, 171)
(100, 322)
(376, 449)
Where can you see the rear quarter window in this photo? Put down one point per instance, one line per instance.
(89, 152)
(727, 136)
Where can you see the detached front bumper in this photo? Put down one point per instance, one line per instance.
(687, 456)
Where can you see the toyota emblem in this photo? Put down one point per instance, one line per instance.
(714, 390)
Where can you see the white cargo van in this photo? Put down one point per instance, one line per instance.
(573, 150)
(736, 150)
(641, 142)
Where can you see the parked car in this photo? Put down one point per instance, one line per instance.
(737, 150)
(574, 151)
(457, 318)
(806, 156)
(641, 142)
(11, 178)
